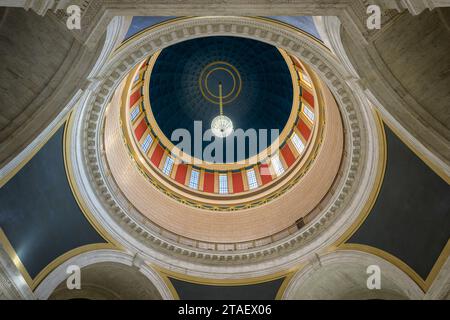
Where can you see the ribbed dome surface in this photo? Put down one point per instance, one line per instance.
(264, 100)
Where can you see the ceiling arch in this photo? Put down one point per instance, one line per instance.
(127, 277)
(343, 274)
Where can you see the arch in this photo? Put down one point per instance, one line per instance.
(122, 264)
(342, 274)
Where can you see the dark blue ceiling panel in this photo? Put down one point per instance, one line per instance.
(260, 291)
(411, 217)
(38, 212)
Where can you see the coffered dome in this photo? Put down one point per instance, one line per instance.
(257, 87)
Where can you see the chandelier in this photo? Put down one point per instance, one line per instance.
(221, 126)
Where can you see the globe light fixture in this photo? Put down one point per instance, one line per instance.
(221, 126)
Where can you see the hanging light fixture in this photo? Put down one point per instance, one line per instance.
(221, 126)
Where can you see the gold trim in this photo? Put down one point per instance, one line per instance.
(424, 284)
(439, 263)
(15, 258)
(341, 244)
(209, 91)
(388, 257)
(286, 282)
(381, 169)
(74, 187)
(34, 282)
(224, 282)
(430, 164)
(168, 283)
(200, 81)
(66, 256)
(33, 152)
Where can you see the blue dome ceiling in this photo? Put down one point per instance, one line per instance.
(253, 74)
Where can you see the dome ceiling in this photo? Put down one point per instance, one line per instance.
(300, 186)
(151, 173)
(256, 84)
(212, 184)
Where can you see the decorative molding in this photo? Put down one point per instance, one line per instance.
(12, 284)
(330, 29)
